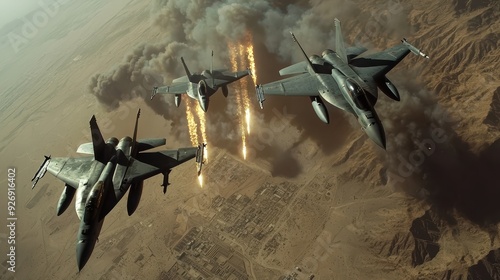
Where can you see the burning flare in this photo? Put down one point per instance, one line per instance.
(193, 129)
(241, 55)
(191, 123)
(251, 59)
(247, 119)
(200, 180)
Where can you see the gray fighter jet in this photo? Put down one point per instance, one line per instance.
(200, 86)
(101, 180)
(345, 79)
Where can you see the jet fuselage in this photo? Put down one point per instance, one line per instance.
(201, 91)
(97, 196)
(354, 95)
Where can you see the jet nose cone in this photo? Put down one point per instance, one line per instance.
(82, 254)
(376, 133)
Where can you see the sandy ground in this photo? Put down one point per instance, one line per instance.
(346, 219)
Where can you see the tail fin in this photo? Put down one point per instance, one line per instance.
(307, 58)
(212, 69)
(339, 41)
(97, 140)
(134, 139)
(186, 69)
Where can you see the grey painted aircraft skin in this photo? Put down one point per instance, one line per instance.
(344, 79)
(200, 86)
(101, 180)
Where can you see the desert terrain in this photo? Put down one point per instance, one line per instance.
(310, 198)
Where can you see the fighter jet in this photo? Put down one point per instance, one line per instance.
(200, 86)
(101, 180)
(345, 79)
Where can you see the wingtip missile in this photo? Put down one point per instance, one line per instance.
(200, 154)
(154, 92)
(413, 49)
(41, 171)
(260, 95)
(165, 183)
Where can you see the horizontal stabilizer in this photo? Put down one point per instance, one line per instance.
(183, 79)
(86, 148)
(297, 68)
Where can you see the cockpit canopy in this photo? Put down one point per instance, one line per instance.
(93, 203)
(90, 213)
(358, 94)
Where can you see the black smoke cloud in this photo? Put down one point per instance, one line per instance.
(428, 159)
(192, 28)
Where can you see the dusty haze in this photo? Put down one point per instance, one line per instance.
(424, 209)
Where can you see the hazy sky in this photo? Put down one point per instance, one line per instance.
(12, 9)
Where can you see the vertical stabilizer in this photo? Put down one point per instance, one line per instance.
(339, 41)
(212, 69)
(97, 140)
(312, 70)
(188, 74)
(134, 139)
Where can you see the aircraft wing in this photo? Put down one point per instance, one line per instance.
(146, 144)
(224, 78)
(378, 64)
(175, 88)
(70, 170)
(352, 52)
(149, 164)
(297, 68)
(300, 85)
